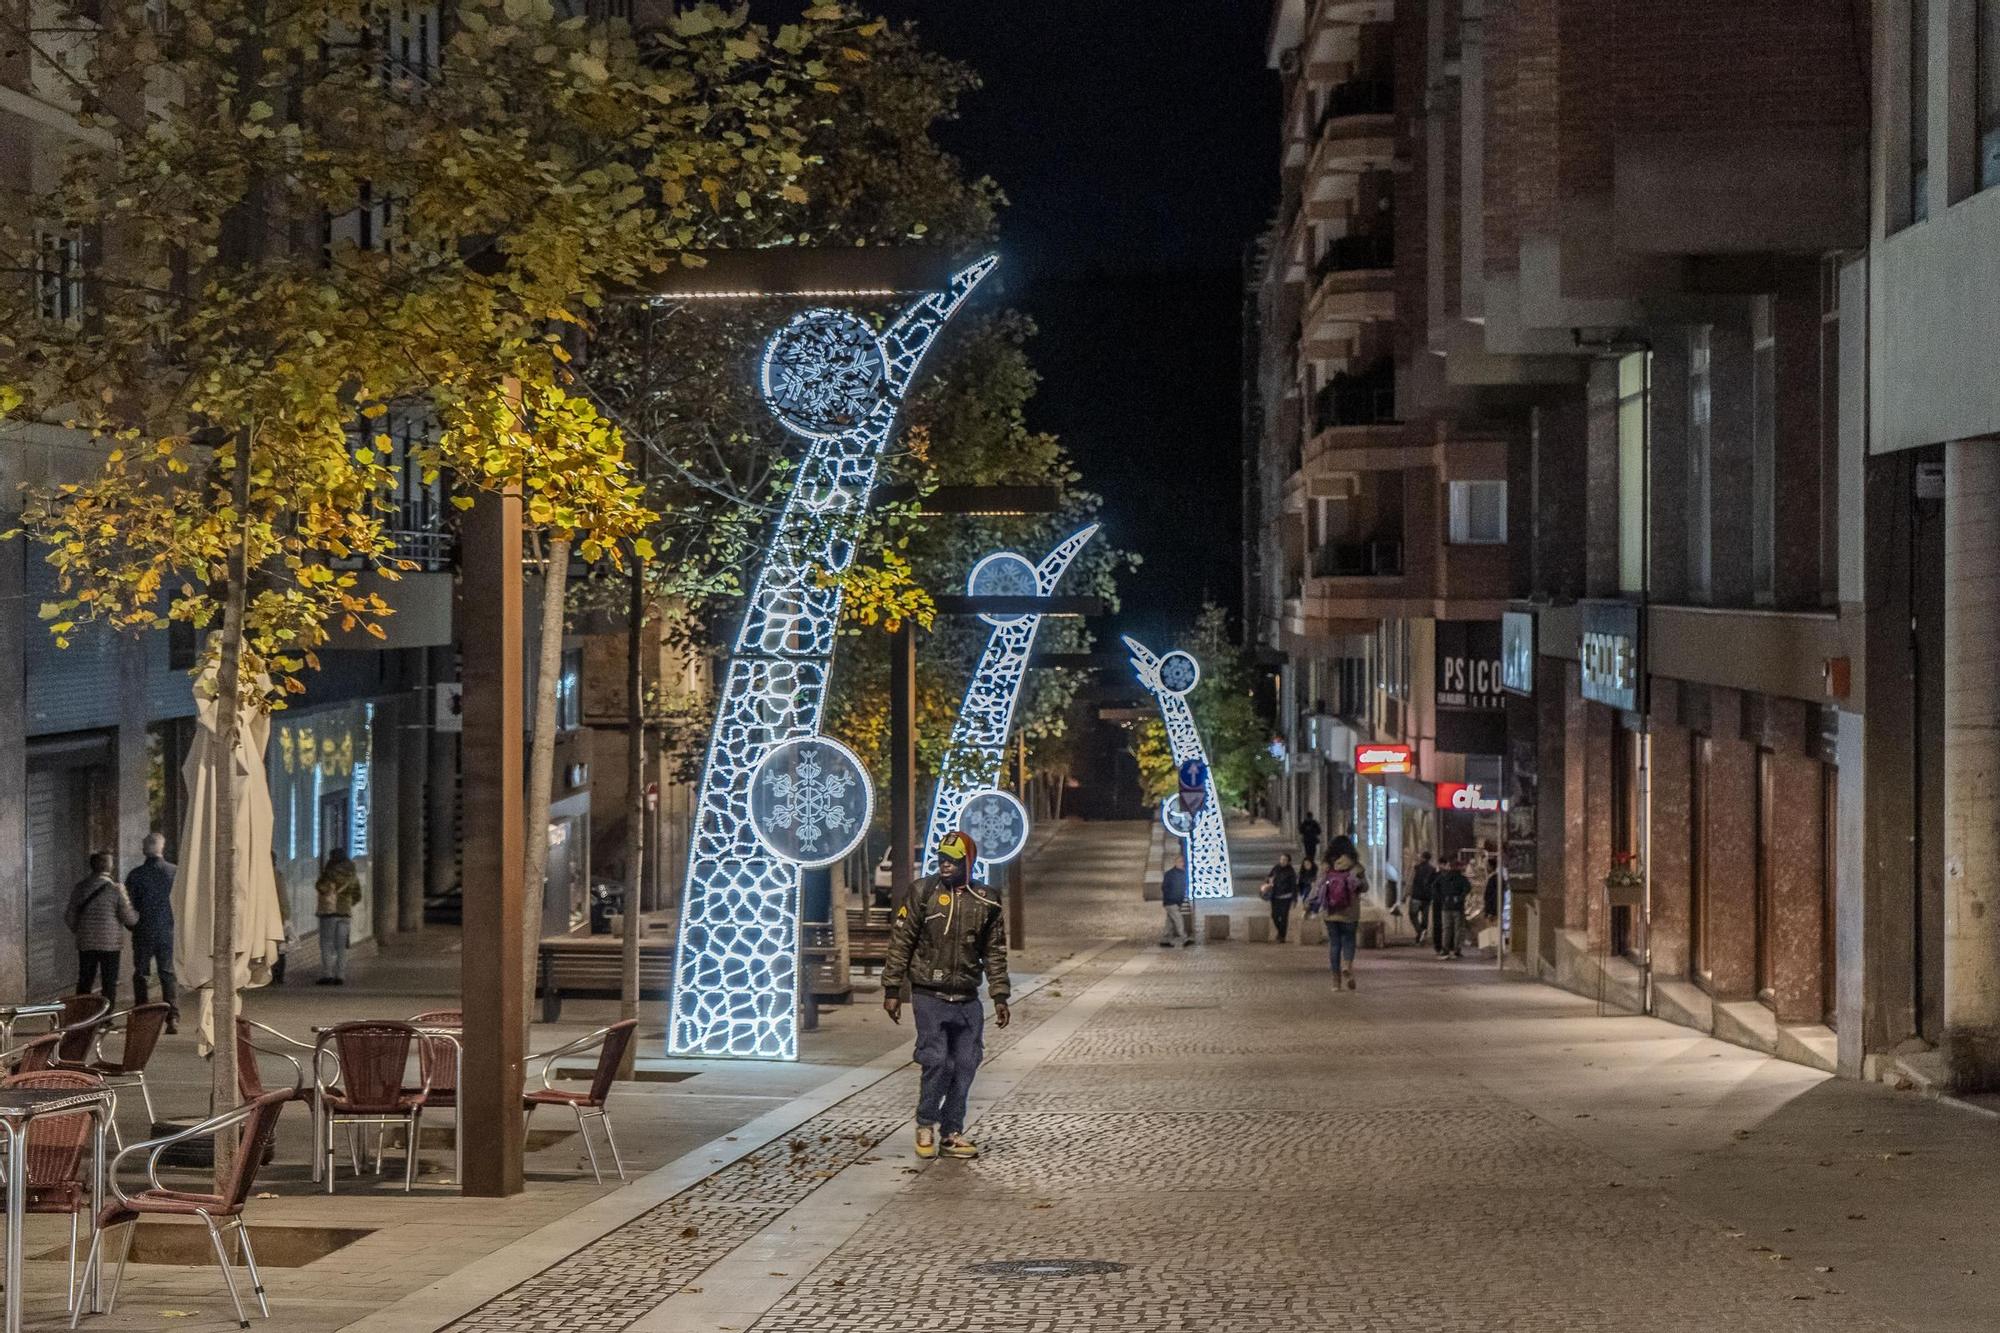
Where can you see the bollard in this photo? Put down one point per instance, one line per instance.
(1260, 930)
(1312, 931)
(1214, 927)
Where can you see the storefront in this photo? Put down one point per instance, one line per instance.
(321, 768)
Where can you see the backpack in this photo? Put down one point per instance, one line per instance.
(1336, 891)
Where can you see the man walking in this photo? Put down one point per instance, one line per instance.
(1423, 891)
(1453, 888)
(1281, 888)
(99, 914)
(950, 934)
(1173, 900)
(1309, 833)
(150, 887)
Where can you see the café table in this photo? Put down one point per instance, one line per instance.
(456, 1038)
(19, 1107)
(10, 1014)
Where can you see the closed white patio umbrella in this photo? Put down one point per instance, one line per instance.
(260, 928)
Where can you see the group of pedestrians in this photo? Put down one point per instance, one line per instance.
(1332, 893)
(101, 911)
(1437, 904)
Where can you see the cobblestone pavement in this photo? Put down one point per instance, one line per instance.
(1440, 1150)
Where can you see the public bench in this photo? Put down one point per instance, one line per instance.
(868, 936)
(592, 967)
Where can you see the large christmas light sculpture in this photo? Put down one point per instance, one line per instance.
(1195, 815)
(979, 737)
(828, 377)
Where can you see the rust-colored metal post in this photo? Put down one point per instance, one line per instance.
(489, 619)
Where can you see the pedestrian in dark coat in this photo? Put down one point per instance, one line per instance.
(99, 914)
(150, 886)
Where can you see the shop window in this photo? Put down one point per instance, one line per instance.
(1478, 513)
(1987, 38)
(59, 277)
(1635, 381)
(1763, 451)
(1920, 110)
(1700, 436)
(569, 691)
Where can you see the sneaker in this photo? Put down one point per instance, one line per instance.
(1187, 944)
(927, 1147)
(1350, 983)
(324, 981)
(959, 1146)
(1166, 944)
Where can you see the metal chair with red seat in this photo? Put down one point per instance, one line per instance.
(305, 1090)
(372, 1056)
(143, 1024)
(437, 1062)
(55, 1150)
(220, 1212)
(611, 1043)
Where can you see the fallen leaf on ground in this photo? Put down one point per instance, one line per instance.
(1823, 1268)
(690, 1232)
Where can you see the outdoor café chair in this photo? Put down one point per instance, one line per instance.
(143, 1024)
(218, 1212)
(36, 1054)
(55, 1151)
(83, 1017)
(372, 1054)
(437, 1061)
(610, 1043)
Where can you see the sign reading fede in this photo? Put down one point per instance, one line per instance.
(1609, 653)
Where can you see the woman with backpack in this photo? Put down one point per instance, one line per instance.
(1338, 898)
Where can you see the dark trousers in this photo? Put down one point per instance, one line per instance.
(98, 963)
(1420, 915)
(1281, 916)
(152, 951)
(951, 1039)
(1450, 924)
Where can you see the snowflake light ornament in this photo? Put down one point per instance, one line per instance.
(810, 801)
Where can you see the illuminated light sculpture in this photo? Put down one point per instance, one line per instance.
(979, 736)
(828, 377)
(1169, 680)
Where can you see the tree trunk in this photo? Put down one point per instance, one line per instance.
(541, 759)
(635, 801)
(228, 678)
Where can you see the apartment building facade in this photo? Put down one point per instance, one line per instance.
(1709, 276)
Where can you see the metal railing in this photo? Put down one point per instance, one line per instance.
(1368, 399)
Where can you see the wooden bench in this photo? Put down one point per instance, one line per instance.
(868, 936)
(592, 967)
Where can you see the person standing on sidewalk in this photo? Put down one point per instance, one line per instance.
(951, 933)
(1309, 833)
(1338, 899)
(1281, 890)
(1173, 901)
(98, 915)
(150, 886)
(1423, 892)
(1453, 888)
(338, 890)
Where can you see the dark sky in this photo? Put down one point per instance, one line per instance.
(1137, 144)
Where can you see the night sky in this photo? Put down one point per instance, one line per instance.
(1137, 145)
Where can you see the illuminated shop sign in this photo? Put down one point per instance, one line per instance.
(1468, 796)
(1517, 652)
(1609, 653)
(1377, 760)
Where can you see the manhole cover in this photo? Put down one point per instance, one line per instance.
(1045, 1268)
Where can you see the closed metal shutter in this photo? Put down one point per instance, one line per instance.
(55, 832)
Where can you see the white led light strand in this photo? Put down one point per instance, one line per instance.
(736, 959)
(979, 736)
(1208, 843)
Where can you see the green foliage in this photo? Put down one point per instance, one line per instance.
(1225, 709)
(546, 163)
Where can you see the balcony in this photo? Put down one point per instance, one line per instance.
(1357, 97)
(1357, 254)
(1368, 399)
(1380, 559)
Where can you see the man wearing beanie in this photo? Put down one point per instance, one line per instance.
(944, 939)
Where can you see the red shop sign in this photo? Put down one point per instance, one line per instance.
(1467, 796)
(1373, 760)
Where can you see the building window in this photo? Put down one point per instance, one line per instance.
(1478, 513)
(1700, 415)
(59, 277)
(1763, 450)
(569, 691)
(1988, 110)
(1920, 109)
(1635, 382)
